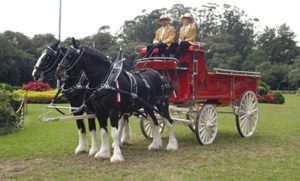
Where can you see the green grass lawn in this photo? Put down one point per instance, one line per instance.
(43, 151)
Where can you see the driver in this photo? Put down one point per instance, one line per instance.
(164, 36)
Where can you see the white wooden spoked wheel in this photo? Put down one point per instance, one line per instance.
(146, 126)
(247, 115)
(192, 118)
(207, 124)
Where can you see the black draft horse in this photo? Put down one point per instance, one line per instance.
(48, 62)
(106, 103)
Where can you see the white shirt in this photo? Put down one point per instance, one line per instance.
(163, 30)
(186, 29)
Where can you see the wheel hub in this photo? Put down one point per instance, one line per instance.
(209, 124)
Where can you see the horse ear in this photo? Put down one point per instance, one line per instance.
(75, 43)
(55, 44)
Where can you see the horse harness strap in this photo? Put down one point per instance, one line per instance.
(146, 84)
(165, 86)
(133, 84)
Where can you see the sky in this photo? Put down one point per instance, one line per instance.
(81, 18)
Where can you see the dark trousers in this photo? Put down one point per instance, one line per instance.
(161, 49)
(183, 47)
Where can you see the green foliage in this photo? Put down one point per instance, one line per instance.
(298, 92)
(263, 88)
(279, 97)
(8, 117)
(4, 86)
(40, 97)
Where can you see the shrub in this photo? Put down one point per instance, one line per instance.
(279, 97)
(4, 86)
(37, 86)
(40, 97)
(298, 92)
(9, 120)
(263, 88)
(276, 98)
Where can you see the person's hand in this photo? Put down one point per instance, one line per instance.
(179, 42)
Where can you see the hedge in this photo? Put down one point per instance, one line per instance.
(40, 97)
(9, 120)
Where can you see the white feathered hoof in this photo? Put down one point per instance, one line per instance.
(172, 146)
(93, 151)
(154, 146)
(81, 149)
(116, 158)
(102, 154)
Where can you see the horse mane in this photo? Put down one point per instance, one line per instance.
(95, 53)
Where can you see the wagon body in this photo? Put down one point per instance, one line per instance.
(192, 82)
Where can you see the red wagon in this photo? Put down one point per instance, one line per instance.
(197, 92)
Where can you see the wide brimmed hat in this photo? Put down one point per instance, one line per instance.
(164, 17)
(188, 15)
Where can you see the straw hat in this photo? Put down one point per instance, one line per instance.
(188, 15)
(164, 17)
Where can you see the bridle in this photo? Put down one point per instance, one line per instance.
(48, 69)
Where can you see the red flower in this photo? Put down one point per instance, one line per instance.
(37, 86)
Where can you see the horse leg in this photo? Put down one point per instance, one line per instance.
(157, 142)
(120, 129)
(95, 145)
(126, 131)
(172, 145)
(117, 154)
(83, 143)
(104, 151)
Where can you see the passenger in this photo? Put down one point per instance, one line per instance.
(164, 36)
(187, 36)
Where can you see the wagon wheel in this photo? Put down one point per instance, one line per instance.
(147, 129)
(247, 117)
(207, 124)
(192, 118)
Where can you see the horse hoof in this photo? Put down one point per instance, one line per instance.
(102, 154)
(154, 147)
(81, 149)
(93, 151)
(172, 147)
(116, 158)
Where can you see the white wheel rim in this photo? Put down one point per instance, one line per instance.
(207, 124)
(147, 126)
(248, 114)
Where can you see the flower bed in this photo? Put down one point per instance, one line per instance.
(271, 98)
(40, 97)
(37, 86)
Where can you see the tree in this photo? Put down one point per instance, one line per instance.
(279, 44)
(294, 74)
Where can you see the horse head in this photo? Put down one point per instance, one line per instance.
(47, 62)
(70, 65)
(82, 58)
